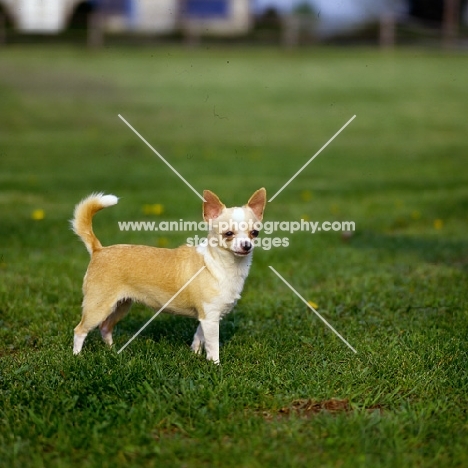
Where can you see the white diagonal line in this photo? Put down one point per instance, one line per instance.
(310, 307)
(312, 158)
(161, 309)
(162, 159)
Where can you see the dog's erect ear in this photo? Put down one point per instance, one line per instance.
(257, 203)
(212, 206)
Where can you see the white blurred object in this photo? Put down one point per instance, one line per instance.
(44, 16)
(151, 16)
(145, 16)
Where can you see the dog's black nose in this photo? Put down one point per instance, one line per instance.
(246, 246)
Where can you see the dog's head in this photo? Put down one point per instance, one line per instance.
(234, 229)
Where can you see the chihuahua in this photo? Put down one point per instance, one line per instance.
(203, 281)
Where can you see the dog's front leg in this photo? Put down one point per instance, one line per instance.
(198, 341)
(211, 334)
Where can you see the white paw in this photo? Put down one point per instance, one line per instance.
(213, 359)
(78, 341)
(197, 347)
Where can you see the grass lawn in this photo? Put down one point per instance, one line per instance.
(288, 392)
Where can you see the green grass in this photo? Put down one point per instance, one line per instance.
(233, 120)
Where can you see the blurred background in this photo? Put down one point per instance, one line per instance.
(287, 22)
(237, 94)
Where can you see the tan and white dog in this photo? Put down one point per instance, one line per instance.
(121, 274)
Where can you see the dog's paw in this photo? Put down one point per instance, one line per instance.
(197, 347)
(107, 336)
(213, 359)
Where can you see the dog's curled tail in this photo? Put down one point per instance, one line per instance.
(82, 222)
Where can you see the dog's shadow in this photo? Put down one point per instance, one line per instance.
(171, 328)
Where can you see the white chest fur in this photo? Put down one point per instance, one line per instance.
(230, 273)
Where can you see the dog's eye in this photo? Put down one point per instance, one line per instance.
(254, 233)
(228, 234)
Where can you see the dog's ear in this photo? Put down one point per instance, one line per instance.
(212, 206)
(257, 203)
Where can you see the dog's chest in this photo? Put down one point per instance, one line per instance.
(231, 288)
(230, 285)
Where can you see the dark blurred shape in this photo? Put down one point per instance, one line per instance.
(2, 26)
(268, 25)
(86, 22)
(432, 11)
(80, 17)
(6, 24)
(427, 10)
(269, 19)
(440, 13)
(89, 18)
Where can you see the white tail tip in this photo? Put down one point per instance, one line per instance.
(108, 200)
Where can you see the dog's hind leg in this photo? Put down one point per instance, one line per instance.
(108, 325)
(94, 312)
